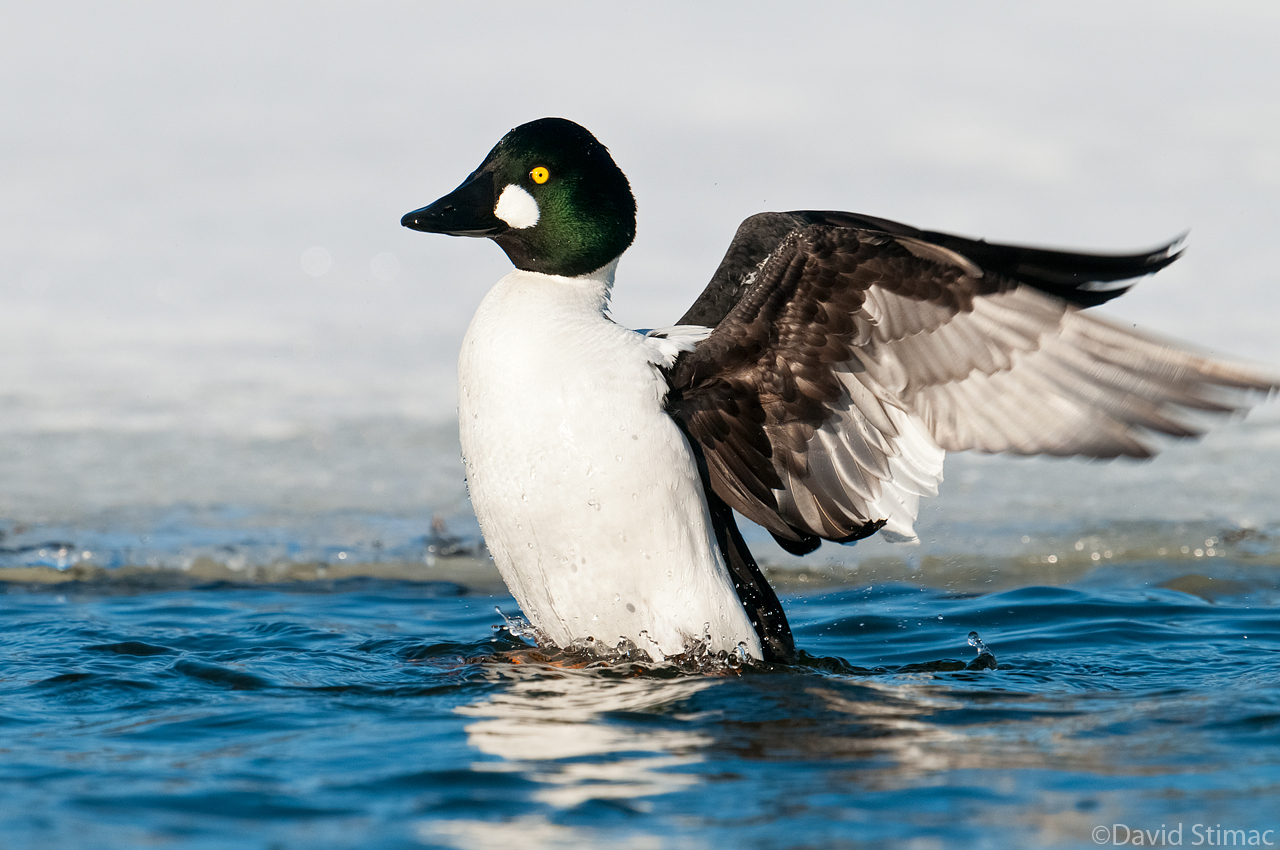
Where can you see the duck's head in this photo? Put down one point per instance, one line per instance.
(549, 194)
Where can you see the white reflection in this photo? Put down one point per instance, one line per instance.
(531, 833)
(894, 719)
(535, 724)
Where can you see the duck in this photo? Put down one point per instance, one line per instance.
(812, 388)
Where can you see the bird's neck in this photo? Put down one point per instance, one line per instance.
(596, 286)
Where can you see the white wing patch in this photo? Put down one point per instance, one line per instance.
(915, 471)
(517, 207)
(870, 461)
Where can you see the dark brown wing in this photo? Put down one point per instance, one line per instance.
(851, 358)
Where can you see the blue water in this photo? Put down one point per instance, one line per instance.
(289, 640)
(374, 713)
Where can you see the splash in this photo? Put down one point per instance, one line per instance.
(519, 627)
(531, 645)
(986, 659)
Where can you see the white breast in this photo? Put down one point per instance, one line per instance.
(585, 489)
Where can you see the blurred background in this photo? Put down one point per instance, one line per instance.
(215, 335)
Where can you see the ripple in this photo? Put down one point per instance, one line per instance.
(387, 705)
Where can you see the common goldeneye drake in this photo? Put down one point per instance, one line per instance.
(814, 387)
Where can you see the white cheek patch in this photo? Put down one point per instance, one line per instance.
(517, 207)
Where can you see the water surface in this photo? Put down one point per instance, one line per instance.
(289, 657)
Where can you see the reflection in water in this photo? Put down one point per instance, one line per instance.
(1072, 729)
(590, 743)
(554, 729)
(536, 832)
(582, 737)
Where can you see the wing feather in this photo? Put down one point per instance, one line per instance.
(849, 353)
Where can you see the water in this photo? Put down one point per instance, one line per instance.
(288, 657)
(374, 713)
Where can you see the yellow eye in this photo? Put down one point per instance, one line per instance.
(540, 175)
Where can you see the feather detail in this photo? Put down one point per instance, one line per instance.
(850, 353)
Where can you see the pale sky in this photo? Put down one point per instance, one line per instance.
(200, 218)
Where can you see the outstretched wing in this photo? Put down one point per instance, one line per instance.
(849, 357)
(1075, 277)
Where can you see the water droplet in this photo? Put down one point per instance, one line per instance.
(976, 643)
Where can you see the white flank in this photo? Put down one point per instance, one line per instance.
(517, 207)
(586, 490)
